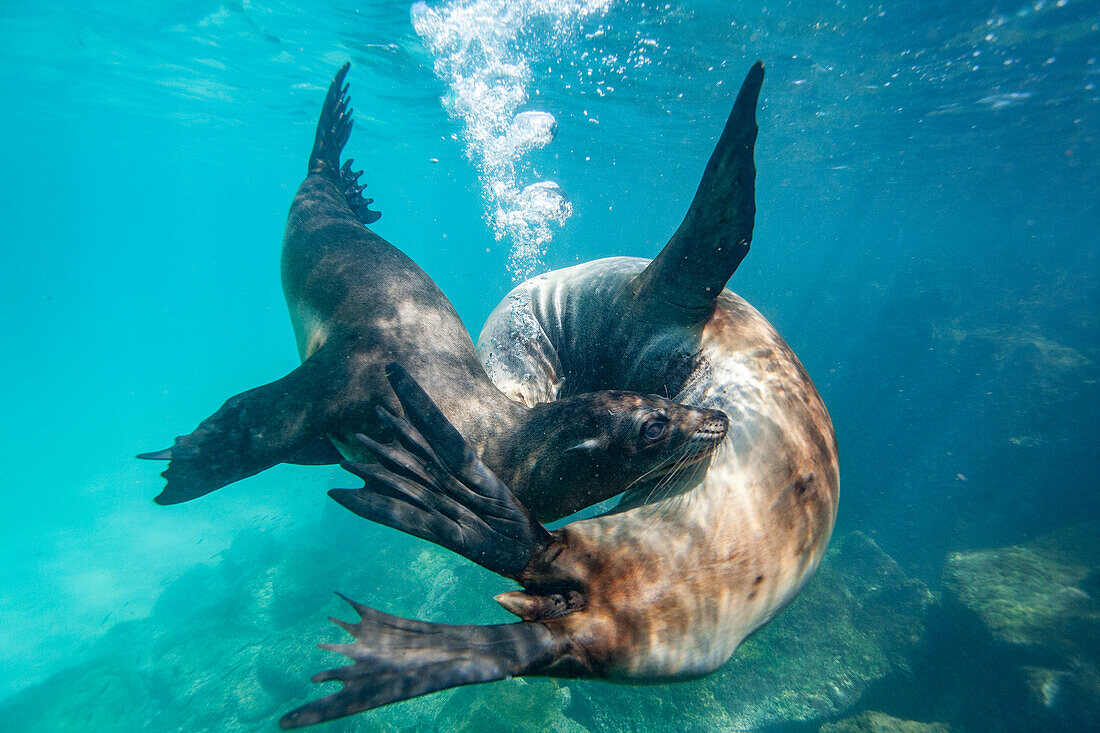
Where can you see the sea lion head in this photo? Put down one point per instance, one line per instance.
(584, 449)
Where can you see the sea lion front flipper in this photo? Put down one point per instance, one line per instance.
(397, 658)
(430, 483)
(276, 423)
(693, 268)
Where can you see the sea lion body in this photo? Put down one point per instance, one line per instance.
(668, 584)
(357, 303)
(714, 561)
(350, 289)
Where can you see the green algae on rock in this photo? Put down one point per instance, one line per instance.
(514, 706)
(1029, 597)
(871, 721)
(1035, 607)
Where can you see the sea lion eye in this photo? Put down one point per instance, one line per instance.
(654, 429)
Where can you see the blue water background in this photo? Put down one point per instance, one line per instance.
(926, 241)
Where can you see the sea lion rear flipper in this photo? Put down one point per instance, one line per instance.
(333, 129)
(397, 658)
(276, 423)
(693, 268)
(430, 483)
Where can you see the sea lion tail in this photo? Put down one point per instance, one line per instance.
(397, 658)
(430, 483)
(333, 130)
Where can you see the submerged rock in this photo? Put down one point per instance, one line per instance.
(514, 706)
(875, 722)
(1033, 610)
(1035, 598)
(231, 646)
(98, 695)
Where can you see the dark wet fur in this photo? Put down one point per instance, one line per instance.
(603, 337)
(620, 458)
(377, 306)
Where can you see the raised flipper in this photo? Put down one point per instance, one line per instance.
(279, 422)
(693, 268)
(333, 129)
(430, 483)
(397, 658)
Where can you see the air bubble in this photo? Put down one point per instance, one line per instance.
(479, 52)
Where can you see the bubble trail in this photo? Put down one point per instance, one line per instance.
(483, 51)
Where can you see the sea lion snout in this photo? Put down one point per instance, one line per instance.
(714, 428)
(702, 427)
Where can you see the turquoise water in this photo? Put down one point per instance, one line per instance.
(926, 242)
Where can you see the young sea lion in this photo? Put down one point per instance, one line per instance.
(669, 584)
(357, 303)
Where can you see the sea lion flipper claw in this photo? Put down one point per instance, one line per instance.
(431, 484)
(160, 455)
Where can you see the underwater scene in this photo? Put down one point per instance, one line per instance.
(685, 526)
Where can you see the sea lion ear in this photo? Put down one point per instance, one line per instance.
(587, 446)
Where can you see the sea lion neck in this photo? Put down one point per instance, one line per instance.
(494, 421)
(545, 452)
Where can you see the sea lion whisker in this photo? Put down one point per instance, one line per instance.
(669, 469)
(689, 462)
(665, 480)
(678, 466)
(643, 476)
(695, 459)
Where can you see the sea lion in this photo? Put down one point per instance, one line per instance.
(668, 584)
(357, 303)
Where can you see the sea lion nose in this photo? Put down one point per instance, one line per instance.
(716, 425)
